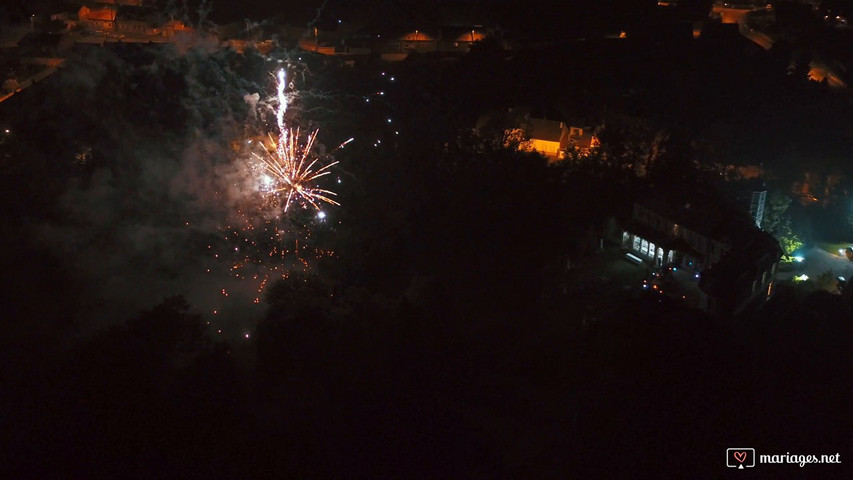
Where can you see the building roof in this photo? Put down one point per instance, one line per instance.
(750, 249)
(548, 130)
(97, 12)
(711, 219)
(585, 140)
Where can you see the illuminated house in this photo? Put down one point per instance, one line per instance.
(99, 17)
(553, 139)
(582, 139)
(735, 261)
(731, 13)
(446, 39)
(174, 27)
(418, 41)
(459, 39)
(548, 137)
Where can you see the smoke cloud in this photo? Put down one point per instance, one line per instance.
(144, 217)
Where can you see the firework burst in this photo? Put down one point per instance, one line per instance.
(291, 166)
(260, 244)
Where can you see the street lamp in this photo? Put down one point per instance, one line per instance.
(32, 22)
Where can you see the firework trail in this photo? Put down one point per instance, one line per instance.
(292, 166)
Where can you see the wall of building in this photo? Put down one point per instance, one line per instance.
(551, 149)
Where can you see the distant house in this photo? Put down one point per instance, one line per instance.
(417, 40)
(735, 261)
(98, 17)
(582, 139)
(730, 13)
(443, 39)
(553, 139)
(174, 27)
(548, 137)
(459, 39)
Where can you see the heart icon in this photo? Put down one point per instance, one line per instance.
(740, 456)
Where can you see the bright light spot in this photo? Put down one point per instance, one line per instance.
(388, 120)
(801, 278)
(267, 180)
(798, 259)
(842, 279)
(392, 79)
(321, 215)
(7, 130)
(247, 335)
(383, 74)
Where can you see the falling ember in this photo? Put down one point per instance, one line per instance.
(292, 170)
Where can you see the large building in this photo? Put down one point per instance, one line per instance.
(735, 261)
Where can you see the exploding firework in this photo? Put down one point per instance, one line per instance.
(262, 241)
(291, 167)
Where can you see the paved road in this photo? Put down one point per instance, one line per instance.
(817, 261)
